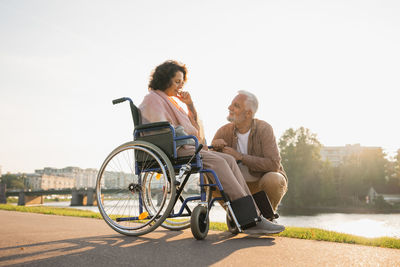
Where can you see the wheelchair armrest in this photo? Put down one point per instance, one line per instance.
(183, 137)
(159, 124)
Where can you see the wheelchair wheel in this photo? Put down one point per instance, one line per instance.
(175, 223)
(199, 222)
(130, 178)
(183, 222)
(231, 224)
(192, 189)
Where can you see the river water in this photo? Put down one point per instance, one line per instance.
(366, 225)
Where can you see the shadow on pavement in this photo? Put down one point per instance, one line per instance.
(161, 248)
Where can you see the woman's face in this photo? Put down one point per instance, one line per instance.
(176, 84)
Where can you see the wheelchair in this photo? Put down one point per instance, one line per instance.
(143, 184)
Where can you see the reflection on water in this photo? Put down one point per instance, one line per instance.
(367, 225)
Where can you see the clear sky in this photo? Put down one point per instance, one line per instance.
(330, 66)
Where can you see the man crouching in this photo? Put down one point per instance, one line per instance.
(252, 143)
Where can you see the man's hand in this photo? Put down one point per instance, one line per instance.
(218, 144)
(232, 152)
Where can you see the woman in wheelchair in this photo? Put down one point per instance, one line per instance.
(166, 82)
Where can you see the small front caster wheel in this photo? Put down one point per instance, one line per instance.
(199, 222)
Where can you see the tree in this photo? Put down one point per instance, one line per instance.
(13, 181)
(393, 175)
(300, 152)
(397, 165)
(363, 170)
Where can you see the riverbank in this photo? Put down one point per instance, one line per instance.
(291, 232)
(348, 210)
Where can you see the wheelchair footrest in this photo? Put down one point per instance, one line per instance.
(264, 205)
(245, 212)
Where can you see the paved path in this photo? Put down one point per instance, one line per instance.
(47, 240)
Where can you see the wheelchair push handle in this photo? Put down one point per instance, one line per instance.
(119, 100)
(134, 110)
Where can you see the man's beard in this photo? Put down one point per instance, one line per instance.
(236, 119)
(230, 119)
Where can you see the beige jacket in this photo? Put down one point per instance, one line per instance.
(262, 152)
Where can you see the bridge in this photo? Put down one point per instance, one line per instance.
(80, 197)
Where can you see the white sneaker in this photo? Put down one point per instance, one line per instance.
(265, 227)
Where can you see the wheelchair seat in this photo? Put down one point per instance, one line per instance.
(161, 135)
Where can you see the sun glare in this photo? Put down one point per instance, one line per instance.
(363, 227)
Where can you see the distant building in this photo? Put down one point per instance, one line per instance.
(37, 181)
(84, 178)
(336, 154)
(118, 179)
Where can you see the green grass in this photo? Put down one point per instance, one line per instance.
(324, 235)
(12, 200)
(292, 232)
(52, 211)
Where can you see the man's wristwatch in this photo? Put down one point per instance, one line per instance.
(240, 160)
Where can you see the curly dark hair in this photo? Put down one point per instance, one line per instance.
(161, 77)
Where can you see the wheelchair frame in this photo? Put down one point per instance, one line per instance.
(155, 159)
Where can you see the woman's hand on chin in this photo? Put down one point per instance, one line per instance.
(185, 97)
